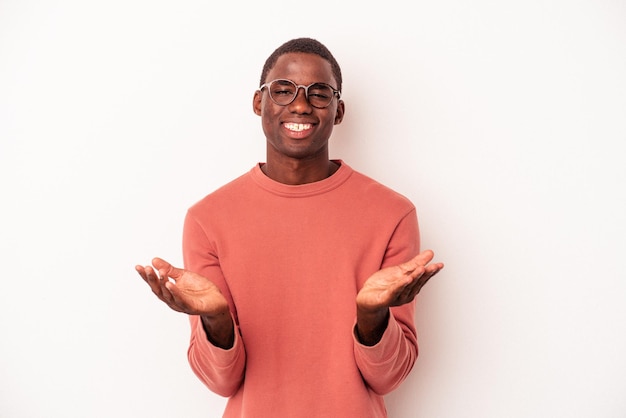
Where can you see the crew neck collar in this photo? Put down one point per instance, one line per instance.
(302, 190)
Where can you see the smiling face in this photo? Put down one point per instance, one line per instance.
(298, 130)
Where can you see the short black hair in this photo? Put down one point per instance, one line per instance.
(304, 45)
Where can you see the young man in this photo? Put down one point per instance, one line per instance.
(301, 275)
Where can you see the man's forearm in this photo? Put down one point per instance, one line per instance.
(370, 326)
(220, 330)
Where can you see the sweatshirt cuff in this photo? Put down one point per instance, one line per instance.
(221, 358)
(385, 349)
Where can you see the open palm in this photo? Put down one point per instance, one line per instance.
(397, 285)
(183, 290)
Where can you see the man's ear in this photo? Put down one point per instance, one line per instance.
(341, 110)
(256, 102)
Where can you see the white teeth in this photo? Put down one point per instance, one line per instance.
(298, 127)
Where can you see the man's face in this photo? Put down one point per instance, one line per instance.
(298, 130)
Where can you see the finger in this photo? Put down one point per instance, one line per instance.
(403, 290)
(411, 267)
(434, 267)
(428, 268)
(148, 274)
(141, 271)
(161, 288)
(428, 274)
(420, 278)
(167, 290)
(421, 259)
(156, 283)
(174, 296)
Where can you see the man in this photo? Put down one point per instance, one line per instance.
(301, 275)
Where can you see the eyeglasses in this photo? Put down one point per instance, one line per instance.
(283, 92)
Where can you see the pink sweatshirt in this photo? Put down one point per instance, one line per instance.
(290, 260)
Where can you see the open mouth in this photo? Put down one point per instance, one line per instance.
(297, 127)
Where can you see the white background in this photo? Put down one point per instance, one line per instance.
(504, 122)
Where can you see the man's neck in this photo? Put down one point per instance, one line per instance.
(294, 172)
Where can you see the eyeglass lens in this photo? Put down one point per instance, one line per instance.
(284, 92)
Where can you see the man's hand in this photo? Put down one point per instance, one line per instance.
(183, 290)
(397, 285)
(391, 286)
(193, 294)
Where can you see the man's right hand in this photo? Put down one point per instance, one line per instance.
(193, 294)
(183, 290)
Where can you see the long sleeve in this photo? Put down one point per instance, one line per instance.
(222, 371)
(385, 365)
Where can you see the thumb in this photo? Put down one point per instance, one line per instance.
(424, 257)
(417, 262)
(166, 269)
(411, 267)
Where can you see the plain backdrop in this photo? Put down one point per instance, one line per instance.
(504, 122)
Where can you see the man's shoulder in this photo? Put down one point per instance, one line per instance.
(226, 192)
(375, 190)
